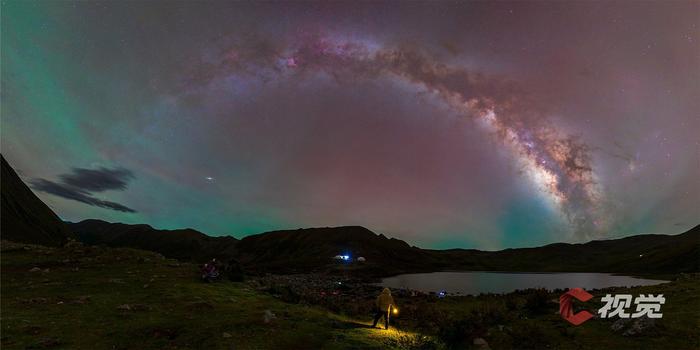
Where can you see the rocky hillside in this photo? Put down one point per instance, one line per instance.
(634, 254)
(312, 249)
(185, 244)
(25, 218)
(287, 251)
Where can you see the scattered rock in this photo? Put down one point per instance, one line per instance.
(640, 326)
(83, 299)
(35, 269)
(619, 324)
(165, 333)
(31, 329)
(200, 305)
(46, 343)
(226, 335)
(634, 327)
(481, 344)
(133, 307)
(140, 307)
(36, 301)
(73, 244)
(269, 316)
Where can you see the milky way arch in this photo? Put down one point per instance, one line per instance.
(559, 163)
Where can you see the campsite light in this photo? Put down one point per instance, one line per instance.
(395, 311)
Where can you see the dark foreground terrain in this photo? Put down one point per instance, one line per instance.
(83, 297)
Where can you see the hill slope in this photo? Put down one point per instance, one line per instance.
(116, 298)
(185, 244)
(306, 250)
(311, 249)
(641, 254)
(25, 218)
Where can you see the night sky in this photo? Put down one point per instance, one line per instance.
(484, 125)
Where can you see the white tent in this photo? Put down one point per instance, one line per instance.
(361, 259)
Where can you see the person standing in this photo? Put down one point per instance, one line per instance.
(384, 304)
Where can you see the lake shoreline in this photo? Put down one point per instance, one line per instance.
(503, 282)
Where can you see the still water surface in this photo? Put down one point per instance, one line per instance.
(505, 282)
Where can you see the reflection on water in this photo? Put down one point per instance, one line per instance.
(505, 282)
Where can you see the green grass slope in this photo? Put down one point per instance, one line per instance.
(80, 297)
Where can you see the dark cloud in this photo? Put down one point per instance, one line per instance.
(78, 186)
(98, 180)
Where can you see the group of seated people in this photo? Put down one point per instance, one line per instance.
(215, 270)
(210, 271)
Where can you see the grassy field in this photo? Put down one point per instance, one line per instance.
(517, 322)
(102, 298)
(80, 297)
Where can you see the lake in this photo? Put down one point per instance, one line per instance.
(504, 282)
